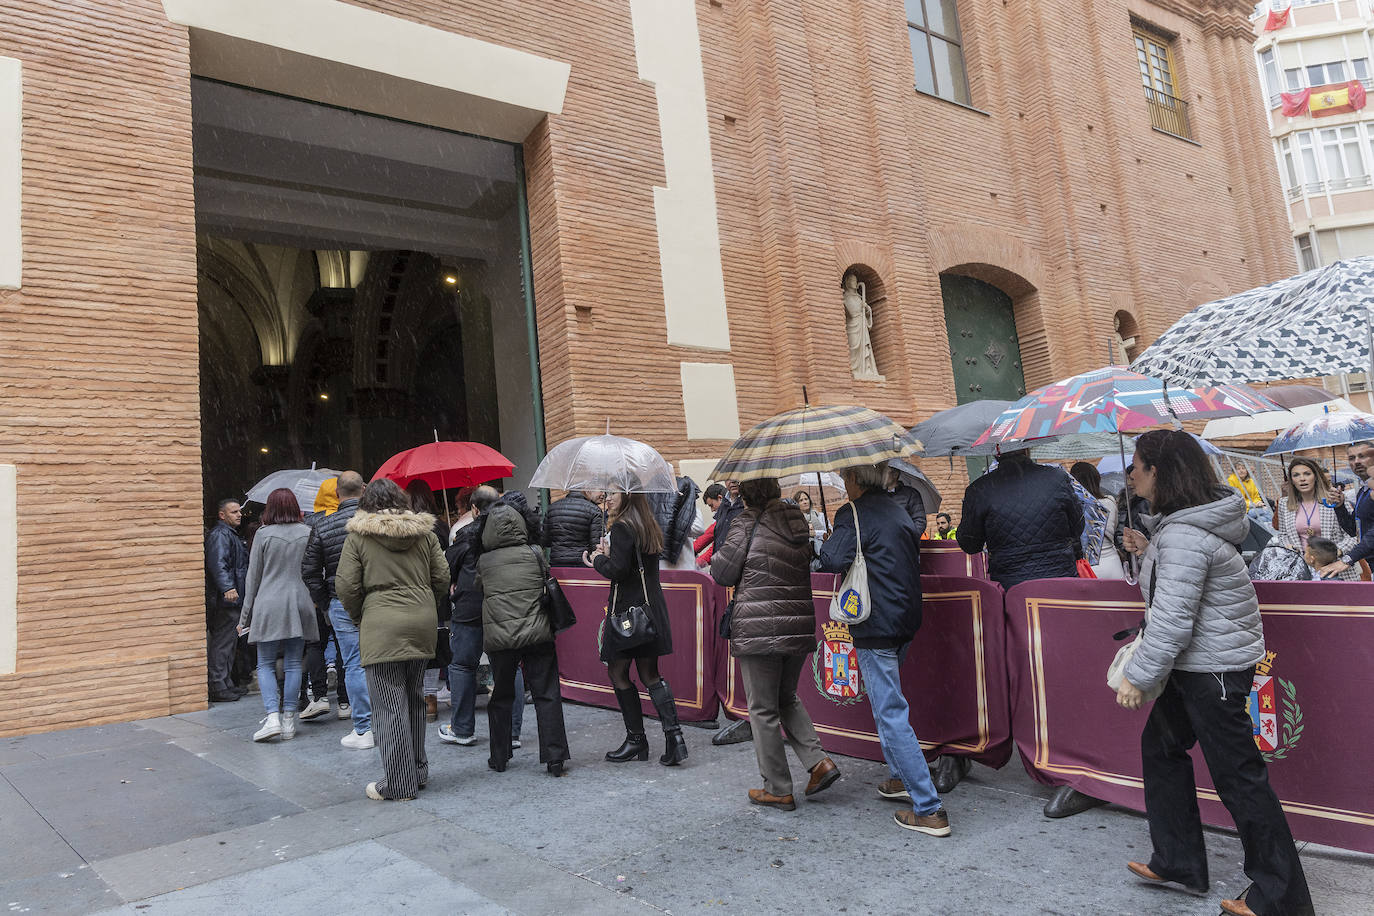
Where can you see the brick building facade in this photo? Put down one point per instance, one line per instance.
(699, 176)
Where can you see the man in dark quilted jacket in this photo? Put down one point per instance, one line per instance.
(1028, 518)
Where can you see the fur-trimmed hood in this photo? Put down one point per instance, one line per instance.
(393, 530)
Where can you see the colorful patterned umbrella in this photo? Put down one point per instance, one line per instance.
(811, 439)
(1113, 400)
(1327, 431)
(1313, 324)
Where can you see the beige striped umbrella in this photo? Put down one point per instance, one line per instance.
(811, 439)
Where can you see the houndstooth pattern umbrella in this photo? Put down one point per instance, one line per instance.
(1313, 324)
(811, 439)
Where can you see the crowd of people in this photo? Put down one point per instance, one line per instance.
(398, 600)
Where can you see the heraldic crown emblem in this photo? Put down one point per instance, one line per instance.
(835, 666)
(1275, 715)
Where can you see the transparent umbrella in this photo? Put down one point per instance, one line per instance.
(304, 482)
(605, 463)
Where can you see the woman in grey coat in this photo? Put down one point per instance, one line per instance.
(278, 613)
(1201, 643)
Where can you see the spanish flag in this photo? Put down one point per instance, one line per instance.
(1330, 100)
(1276, 20)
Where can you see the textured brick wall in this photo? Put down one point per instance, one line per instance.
(98, 372)
(1056, 189)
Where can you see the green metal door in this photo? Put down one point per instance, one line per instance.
(983, 349)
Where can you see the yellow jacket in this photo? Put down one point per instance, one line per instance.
(1247, 489)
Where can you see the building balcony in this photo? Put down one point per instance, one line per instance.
(1168, 114)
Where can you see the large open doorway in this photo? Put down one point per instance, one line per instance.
(362, 287)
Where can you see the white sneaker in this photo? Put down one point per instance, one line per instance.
(345, 711)
(288, 726)
(271, 728)
(358, 742)
(316, 709)
(514, 743)
(444, 696)
(447, 736)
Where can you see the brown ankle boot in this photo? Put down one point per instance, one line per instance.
(431, 708)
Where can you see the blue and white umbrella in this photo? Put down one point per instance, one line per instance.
(1330, 430)
(1310, 325)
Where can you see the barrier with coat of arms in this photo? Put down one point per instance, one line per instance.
(953, 675)
(1030, 666)
(1307, 703)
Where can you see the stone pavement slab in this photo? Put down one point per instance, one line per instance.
(29, 846)
(358, 878)
(135, 796)
(150, 872)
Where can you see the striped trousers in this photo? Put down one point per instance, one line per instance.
(398, 724)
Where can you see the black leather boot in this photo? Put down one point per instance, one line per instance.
(636, 745)
(1067, 801)
(675, 748)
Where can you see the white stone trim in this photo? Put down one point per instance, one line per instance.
(9, 571)
(333, 52)
(11, 174)
(709, 401)
(668, 49)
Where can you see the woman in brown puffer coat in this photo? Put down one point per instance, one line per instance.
(766, 557)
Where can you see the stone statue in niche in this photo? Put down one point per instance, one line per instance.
(858, 316)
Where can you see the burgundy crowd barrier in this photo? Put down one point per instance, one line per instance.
(691, 669)
(1311, 702)
(1030, 666)
(953, 676)
(944, 558)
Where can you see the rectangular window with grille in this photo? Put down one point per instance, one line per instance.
(1159, 77)
(937, 49)
(1307, 258)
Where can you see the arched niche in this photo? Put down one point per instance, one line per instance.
(881, 334)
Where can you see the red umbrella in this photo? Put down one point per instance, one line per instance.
(446, 464)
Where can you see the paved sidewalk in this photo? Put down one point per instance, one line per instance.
(186, 815)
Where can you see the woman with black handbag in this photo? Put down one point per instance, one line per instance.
(636, 628)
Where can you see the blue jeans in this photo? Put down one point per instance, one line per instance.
(290, 651)
(354, 678)
(466, 642)
(881, 673)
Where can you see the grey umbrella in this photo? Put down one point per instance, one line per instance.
(911, 475)
(951, 432)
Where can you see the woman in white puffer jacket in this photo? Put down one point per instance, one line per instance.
(1201, 644)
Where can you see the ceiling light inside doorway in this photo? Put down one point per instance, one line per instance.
(263, 450)
(324, 395)
(451, 279)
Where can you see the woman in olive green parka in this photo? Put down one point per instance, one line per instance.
(390, 579)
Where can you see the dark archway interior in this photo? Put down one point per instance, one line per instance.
(356, 277)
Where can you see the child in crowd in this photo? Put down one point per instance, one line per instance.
(1321, 552)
